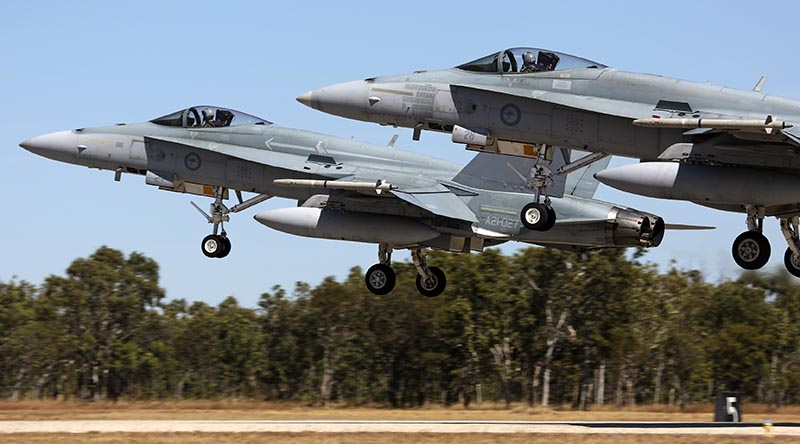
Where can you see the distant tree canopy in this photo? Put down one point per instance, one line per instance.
(541, 326)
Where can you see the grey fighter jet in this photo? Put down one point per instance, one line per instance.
(718, 147)
(347, 190)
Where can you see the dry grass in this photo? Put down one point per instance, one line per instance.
(372, 438)
(248, 410)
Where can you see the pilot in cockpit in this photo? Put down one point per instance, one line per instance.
(528, 63)
(208, 118)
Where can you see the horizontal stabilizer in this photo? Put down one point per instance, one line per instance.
(439, 201)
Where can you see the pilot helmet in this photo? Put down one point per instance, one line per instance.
(208, 114)
(528, 58)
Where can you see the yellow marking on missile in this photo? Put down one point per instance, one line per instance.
(394, 91)
(100, 141)
(498, 210)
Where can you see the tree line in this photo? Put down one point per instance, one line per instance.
(541, 326)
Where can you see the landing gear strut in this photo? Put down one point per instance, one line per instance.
(217, 244)
(380, 278)
(751, 249)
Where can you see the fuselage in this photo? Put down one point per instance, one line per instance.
(250, 158)
(501, 105)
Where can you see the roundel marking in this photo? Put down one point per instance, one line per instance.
(192, 161)
(510, 114)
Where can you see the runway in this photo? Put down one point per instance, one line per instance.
(328, 426)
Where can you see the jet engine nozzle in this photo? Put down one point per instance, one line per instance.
(632, 228)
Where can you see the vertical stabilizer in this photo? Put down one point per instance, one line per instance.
(581, 182)
(498, 172)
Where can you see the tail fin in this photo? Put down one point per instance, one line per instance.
(498, 172)
(581, 182)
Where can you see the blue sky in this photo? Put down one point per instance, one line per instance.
(80, 64)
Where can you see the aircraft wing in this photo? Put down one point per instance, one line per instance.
(426, 194)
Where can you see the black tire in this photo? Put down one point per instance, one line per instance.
(535, 216)
(380, 279)
(226, 247)
(435, 286)
(212, 245)
(551, 218)
(793, 266)
(751, 250)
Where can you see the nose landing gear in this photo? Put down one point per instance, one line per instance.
(217, 244)
(537, 215)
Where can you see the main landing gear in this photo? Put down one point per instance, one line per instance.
(380, 278)
(791, 258)
(751, 249)
(217, 244)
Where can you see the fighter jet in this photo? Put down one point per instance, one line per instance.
(722, 148)
(345, 189)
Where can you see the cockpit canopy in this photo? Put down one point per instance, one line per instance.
(527, 60)
(206, 116)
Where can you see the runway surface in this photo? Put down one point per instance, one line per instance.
(327, 426)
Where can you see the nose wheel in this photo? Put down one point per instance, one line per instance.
(538, 216)
(216, 246)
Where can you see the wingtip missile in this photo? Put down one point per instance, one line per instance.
(721, 124)
(377, 187)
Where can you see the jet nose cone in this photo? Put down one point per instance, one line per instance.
(347, 99)
(305, 99)
(61, 145)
